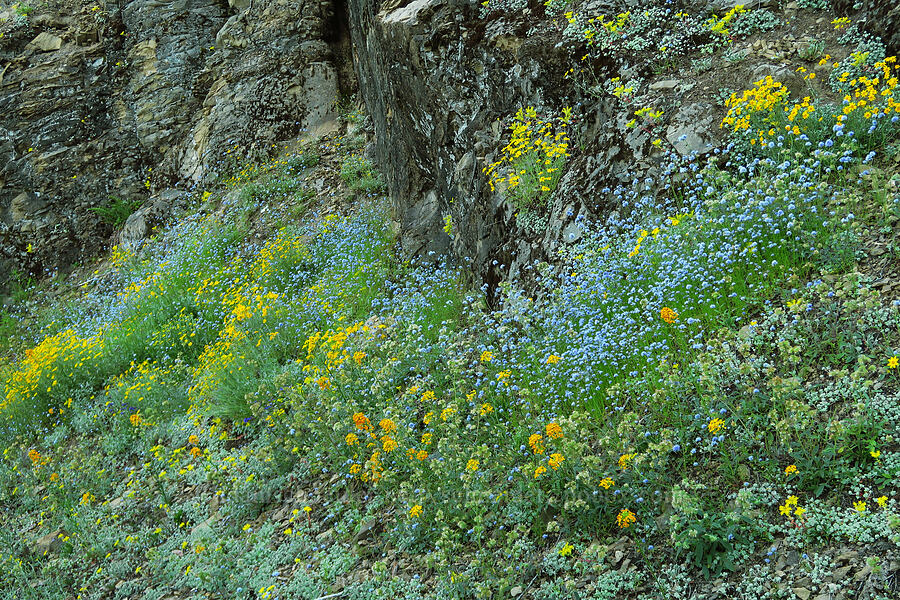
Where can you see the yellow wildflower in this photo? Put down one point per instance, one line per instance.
(625, 518)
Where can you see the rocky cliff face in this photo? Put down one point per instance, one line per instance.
(140, 100)
(436, 78)
(440, 76)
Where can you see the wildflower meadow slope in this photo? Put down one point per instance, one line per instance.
(699, 397)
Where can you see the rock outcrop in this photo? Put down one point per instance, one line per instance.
(126, 100)
(143, 100)
(438, 77)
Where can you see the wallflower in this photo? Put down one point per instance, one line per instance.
(486, 356)
(566, 550)
(668, 315)
(415, 511)
(421, 455)
(486, 409)
(135, 419)
(790, 469)
(553, 359)
(535, 441)
(625, 518)
(472, 465)
(860, 506)
(358, 357)
(556, 459)
(196, 452)
(553, 430)
(789, 505)
(715, 426)
(388, 444)
(882, 501)
(387, 426)
(625, 461)
(426, 438)
(35, 456)
(352, 439)
(607, 483)
(193, 440)
(362, 422)
(540, 471)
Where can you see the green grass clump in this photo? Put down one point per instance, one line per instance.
(360, 175)
(116, 211)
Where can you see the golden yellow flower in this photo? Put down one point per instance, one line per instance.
(555, 460)
(668, 315)
(553, 430)
(625, 518)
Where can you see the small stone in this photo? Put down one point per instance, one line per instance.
(49, 543)
(665, 84)
(839, 574)
(203, 529)
(516, 591)
(847, 556)
(46, 42)
(366, 530)
(802, 593)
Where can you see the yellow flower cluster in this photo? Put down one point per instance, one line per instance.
(625, 518)
(720, 25)
(668, 315)
(531, 163)
(764, 97)
(790, 507)
(56, 361)
(765, 113)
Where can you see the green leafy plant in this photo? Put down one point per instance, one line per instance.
(713, 540)
(360, 175)
(116, 211)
